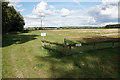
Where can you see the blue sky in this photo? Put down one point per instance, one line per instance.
(28, 6)
(64, 13)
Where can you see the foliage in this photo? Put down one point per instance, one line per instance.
(54, 28)
(11, 19)
(81, 28)
(113, 26)
(39, 28)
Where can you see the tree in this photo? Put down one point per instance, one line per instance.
(113, 26)
(11, 19)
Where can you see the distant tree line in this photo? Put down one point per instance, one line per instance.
(57, 28)
(39, 28)
(80, 27)
(11, 19)
(33, 28)
(113, 26)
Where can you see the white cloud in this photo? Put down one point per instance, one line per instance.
(18, 6)
(104, 13)
(41, 9)
(75, 18)
(91, 20)
(111, 11)
(76, 1)
(32, 21)
(110, 23)
(36, 24)
(14, 3)
(21, 10)
(41, 6)
(109, 1)
(13, 0)
(65, 12)
(100, 15)
(51, 6)
(30, 16)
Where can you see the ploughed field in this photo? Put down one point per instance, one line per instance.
(23, 56)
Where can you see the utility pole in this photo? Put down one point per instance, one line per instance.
(41, 24)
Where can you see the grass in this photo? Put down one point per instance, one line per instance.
(23, 56)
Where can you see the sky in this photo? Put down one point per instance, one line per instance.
(59, 13)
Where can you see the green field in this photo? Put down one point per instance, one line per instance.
(23, 56)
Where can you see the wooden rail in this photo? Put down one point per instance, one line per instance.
(65, 46)
(44, 41)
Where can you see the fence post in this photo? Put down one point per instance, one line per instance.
(70, 49)
(94, 46)
(65, 43)
(63, 49)
(113, 45)
(42, 43)
(50, 46)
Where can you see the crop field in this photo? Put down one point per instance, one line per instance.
(23, 56)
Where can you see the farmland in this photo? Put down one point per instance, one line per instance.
(23, 56)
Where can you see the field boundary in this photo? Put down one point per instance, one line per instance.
(69, 46)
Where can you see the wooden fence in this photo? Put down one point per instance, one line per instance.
(65, 46)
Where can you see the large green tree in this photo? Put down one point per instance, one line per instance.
(11, 19)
